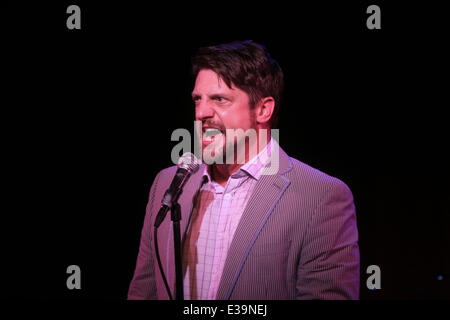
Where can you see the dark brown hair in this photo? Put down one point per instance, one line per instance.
(246, 65)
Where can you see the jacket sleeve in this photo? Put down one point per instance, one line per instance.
(143, 284)
(329, 261)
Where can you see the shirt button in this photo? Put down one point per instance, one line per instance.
(227, 196)
(220, 234)
(214, 271)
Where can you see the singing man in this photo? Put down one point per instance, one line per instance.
(249, 232)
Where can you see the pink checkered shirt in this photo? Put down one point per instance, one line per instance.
(214, 220)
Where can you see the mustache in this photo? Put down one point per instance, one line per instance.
(215, 125)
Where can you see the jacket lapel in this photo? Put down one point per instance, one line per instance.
(265, 196)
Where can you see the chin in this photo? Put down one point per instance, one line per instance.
(213, 155)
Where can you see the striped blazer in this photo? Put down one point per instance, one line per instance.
(297, 239)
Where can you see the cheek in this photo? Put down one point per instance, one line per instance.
(236, 118)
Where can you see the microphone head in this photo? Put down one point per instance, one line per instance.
(189, 162)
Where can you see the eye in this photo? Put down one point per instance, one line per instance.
(220, 99)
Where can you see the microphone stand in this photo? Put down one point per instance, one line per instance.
(176, 217)
(188, 164)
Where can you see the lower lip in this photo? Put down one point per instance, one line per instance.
(209, 141)
(206, 143)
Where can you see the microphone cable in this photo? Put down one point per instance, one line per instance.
(158, 258)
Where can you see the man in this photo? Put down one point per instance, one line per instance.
(249, 233)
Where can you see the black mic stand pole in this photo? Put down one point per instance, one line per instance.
(176, 217)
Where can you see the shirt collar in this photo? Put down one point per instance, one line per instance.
(253, 167)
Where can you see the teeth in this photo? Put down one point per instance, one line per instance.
(212, 132)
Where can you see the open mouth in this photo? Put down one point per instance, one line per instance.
(211, 134)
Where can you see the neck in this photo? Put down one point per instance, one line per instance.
(220, 173)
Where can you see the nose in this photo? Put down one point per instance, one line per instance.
(203, 110)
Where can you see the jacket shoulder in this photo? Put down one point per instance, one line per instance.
(315, 180)
(168, 172)
(162, 180)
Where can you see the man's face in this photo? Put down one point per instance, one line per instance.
(219, 107)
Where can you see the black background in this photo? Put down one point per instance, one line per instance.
(88, 115)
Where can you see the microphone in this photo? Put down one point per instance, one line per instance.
(187, 165)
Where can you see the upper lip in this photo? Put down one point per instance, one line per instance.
(210, 127)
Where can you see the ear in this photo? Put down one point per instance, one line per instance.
(264, 111)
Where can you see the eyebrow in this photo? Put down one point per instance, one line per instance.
(212, 96)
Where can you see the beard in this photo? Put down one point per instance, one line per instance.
(214, 145)
(227, 146)
(219, 145)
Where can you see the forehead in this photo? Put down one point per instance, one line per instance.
(208, 80)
